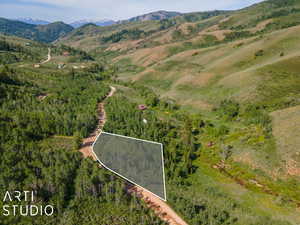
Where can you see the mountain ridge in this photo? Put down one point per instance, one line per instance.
(44, 33)
(156, 15)
(80, 23)
(32, 21)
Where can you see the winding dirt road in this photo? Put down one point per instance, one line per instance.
(161, 208)
(86, 147)
(48, 57)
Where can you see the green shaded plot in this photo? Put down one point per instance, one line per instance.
(138, 161)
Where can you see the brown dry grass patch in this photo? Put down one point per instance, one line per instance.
(261, 25)
(286, 130)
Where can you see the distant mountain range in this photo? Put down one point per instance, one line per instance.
(159, 15)
(74, 24)
(101, 23)
(33, 21)
(45, 31)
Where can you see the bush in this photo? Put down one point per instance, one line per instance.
(177, 35)
(237, 35)
(229, 109)
(77, 140)
(259, 53)
(132, 34)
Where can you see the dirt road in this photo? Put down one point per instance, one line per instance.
(86, 148)
(49, 57)
(161, 208)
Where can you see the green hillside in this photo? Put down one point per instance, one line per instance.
(52, 31)
(260, 18)
(18, 50)
(43, 33)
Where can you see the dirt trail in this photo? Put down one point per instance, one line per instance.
(49, 57)
(86, 148)
(161, 208)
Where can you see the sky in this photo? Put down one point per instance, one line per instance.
(71, 10)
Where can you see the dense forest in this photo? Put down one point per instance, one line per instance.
(12, 53)
(43, 118)
(132, 34)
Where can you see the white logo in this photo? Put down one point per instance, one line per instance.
(29, 209)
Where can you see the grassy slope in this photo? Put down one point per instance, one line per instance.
(88, 37)
(210, 74)
(209, 187)
(202, 80)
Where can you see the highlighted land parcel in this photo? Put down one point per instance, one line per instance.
(138, 161)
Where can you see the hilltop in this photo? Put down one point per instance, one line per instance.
(159, 15)
(80, 23)
(33, 21)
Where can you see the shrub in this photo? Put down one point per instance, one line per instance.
(259, 53)
(229, 109)
(177, 35)
(237, 35)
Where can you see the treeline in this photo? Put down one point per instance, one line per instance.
(125, 34)
(282, 3)
(12, 53)
(8, 58)
(166, 24)
(77, 55)
(194, 17)
(64, 110)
